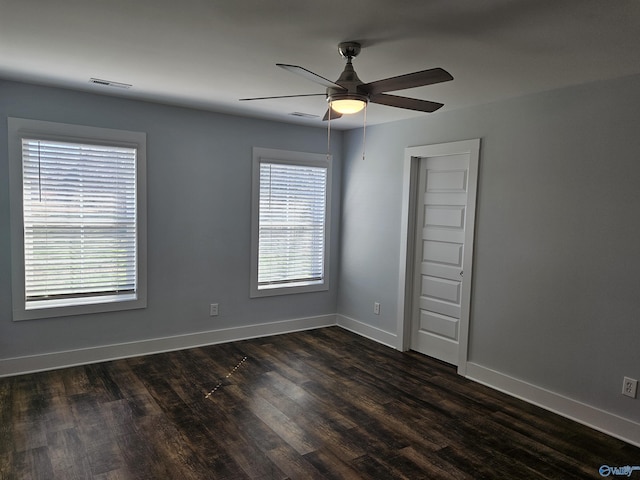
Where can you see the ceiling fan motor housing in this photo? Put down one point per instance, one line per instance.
(341, 95)
(348, 78)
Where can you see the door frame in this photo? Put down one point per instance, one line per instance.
(407, 238)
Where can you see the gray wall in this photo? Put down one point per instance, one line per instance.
(199, 190)
(555, 293)
(556, 288)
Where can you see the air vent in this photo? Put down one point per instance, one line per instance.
(303, 115)
(109, 83)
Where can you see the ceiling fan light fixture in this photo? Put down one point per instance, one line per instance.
(347, 103)
(347, 106)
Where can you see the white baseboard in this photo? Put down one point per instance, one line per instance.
(83, 356)
(595, 418)
(364, 330)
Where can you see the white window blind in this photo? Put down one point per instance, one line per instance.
(291, 230)
(80, 228)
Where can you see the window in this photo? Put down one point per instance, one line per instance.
(78, 219)
(290, 222)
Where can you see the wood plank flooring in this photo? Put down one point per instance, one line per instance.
(321, 404)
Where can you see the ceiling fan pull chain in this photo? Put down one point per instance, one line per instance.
(328, 132)
(364, 131)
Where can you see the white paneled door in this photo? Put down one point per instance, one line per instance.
(443, 246)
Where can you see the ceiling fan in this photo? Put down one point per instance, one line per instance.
(348, 94)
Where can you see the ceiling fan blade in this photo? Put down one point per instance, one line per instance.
(410, 80)
(309, 75)
(334, 115)
(285, 96)
(405, 102)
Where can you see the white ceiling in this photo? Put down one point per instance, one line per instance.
(209, 53)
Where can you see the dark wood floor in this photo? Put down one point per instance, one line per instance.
(309, 405)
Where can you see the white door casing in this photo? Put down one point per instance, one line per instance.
(438, 215)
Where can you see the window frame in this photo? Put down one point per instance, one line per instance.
(267, 155)
(19, 128)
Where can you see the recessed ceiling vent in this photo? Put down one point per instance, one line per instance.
(303, 115)
(109, 83)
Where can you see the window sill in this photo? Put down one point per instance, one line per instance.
(289, 289)
(78, 306)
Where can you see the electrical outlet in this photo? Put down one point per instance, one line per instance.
(213, 310)
(376, 308)
(629, 387)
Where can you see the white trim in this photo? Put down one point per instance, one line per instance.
(592, 417)
(16, 129)
(367, 331)
(83, 356)
(407, 243)
(407, 249)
